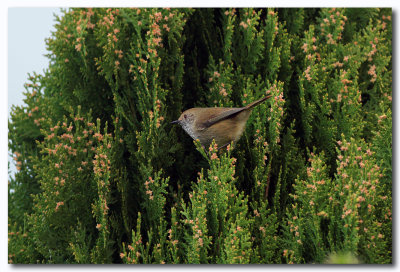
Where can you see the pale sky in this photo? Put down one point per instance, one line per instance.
(27, 30)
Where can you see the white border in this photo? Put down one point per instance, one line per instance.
(5, 4)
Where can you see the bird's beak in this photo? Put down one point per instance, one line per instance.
(174, 122)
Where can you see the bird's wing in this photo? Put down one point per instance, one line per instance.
(219, 117)
(255, 103)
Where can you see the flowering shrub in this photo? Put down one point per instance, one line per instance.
(102, 177)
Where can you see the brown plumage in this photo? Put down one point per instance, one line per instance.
(225, 125)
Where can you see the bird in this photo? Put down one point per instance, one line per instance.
(224, 125)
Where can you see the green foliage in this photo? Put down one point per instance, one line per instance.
(310, 180)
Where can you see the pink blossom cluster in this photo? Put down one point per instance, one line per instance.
(149, 192)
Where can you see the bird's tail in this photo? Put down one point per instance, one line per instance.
(255, 103)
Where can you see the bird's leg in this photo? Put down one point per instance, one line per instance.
(223, 146)
(204, 148)
(229, 146)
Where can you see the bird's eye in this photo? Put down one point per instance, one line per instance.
(185, 116)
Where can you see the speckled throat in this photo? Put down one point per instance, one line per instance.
(188, 128)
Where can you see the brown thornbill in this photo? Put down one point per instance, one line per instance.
(224, 125)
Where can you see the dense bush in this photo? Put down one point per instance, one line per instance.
(104, 178)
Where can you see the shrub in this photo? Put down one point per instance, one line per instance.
(104, 178)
